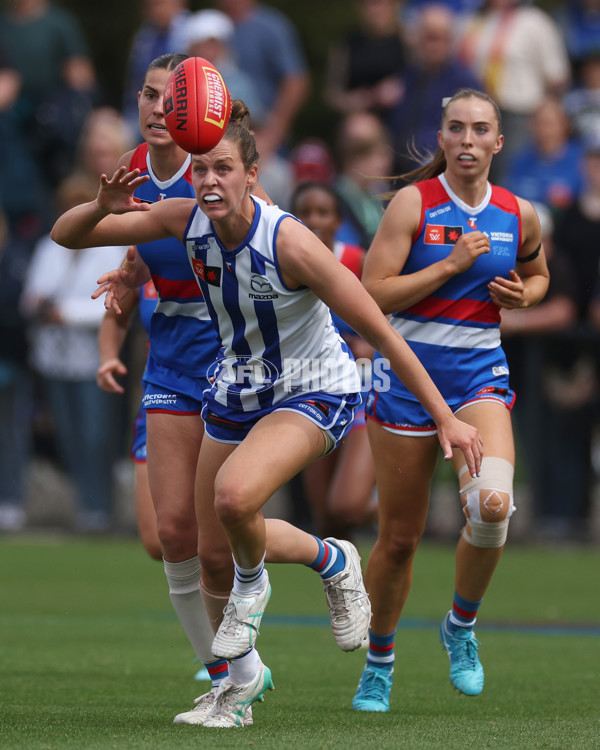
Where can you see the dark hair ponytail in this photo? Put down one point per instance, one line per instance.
(238, 131)
(169, 61)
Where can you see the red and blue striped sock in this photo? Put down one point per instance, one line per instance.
(381, 651)
(218, 670)
(329, 560)
(463, 614)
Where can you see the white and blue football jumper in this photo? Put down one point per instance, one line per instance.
(455, 332)
(278, 345)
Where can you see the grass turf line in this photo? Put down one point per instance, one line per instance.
(93, 657)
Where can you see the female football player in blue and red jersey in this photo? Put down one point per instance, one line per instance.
(451, 251)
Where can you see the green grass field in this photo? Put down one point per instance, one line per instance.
(93, 657)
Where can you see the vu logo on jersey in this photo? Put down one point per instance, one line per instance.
(210, 274)
(437, 234)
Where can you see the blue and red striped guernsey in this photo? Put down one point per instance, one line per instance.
(182, 335)
(457, 327)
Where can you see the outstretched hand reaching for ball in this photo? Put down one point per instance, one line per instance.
(117, 284)
(116, 193)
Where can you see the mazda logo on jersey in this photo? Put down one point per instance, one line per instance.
(260, 284)
(210, 274)
(437, 234)
(262, 290)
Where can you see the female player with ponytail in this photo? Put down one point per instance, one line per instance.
(283, 393)
(451, 251)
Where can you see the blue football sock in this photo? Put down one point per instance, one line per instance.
(463, 614)
(218, 670)
(381, 651)
(329, 561)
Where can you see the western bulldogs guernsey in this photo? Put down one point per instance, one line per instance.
(183, 338)
(276, 342)
(147, 304)
(455, 331)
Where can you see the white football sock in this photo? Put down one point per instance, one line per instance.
(184, 579)
(250, 580)
(243, 669)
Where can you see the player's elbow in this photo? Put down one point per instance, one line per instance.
(62, 238)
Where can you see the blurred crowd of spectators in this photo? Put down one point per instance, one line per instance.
(384, 84)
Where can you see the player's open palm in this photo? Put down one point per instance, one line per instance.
(116, 193)
(117, 284)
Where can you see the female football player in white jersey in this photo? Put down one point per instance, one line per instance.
(183, 345)
(284, 391)
(443, 264)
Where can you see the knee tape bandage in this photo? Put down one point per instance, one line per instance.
(487, 503)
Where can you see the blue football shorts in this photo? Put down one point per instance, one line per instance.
(331, 412)
(159, 399)
(137, 451)
(406, 417)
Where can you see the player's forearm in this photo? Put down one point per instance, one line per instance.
(111, 336)
(395, 293)
(534, 290)
(407, 366)
(74, 229)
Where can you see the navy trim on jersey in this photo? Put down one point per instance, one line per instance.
(278, 265)
(192, 214)
(267, 320)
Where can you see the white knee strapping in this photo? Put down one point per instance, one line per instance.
(488, 503)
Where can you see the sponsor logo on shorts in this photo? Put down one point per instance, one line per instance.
(154, 400)
(305, 406)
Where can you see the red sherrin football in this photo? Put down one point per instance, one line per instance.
(197, 105)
